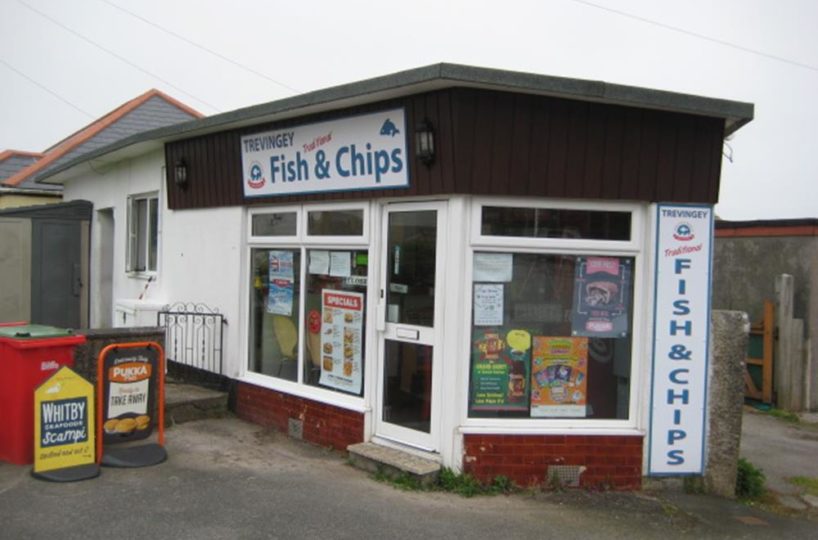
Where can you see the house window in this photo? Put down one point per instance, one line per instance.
(308, 296)
(552, 319)
(143, 233)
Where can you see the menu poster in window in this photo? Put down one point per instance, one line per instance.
(501, 361)
(559, 377)
(488, 304)
(601, 295)
(342, 322)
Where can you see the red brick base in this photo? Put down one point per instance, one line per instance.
(323, 424)
(612, 462)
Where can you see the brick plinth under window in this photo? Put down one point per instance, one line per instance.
(611, 462)
(323, 424)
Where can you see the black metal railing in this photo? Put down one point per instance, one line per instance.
(194, 337)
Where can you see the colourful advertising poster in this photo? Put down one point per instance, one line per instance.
(280, 297)
(500, 369)
(364, 151)
(63, 422)
(342, 323)
(280, 283)
(559, 377)
(130, 381)
(281, 265)
(602, 288)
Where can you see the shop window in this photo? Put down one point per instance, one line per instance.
(551, 336)
(274, 312)
(143, 233)
(555, 223)
(308, 302)
(335, 303)
(274, 224)
(335, 223)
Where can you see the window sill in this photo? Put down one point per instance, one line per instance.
(328, 397)
(131, 306)
(567, 427)
(143, 276)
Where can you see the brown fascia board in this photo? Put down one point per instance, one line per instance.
(434, 77)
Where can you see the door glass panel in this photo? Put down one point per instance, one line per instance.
(407, 385)
(411, 249)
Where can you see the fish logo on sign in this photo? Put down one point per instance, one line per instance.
(389, 128)
(257, 179)
(683, 232)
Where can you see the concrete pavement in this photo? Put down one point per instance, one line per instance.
(229, 479)
(781, 450)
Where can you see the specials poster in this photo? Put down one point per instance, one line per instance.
(342, 322)
(602, 288)
(559, 377)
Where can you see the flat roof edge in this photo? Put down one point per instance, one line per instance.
(767, 223)
(442, 75)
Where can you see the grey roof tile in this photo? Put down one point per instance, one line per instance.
(154, 113)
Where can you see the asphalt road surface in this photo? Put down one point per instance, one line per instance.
(229, 479)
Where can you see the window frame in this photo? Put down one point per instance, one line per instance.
(152, 234)
(304, 244)
(286, 240)
(635, 248)
(363, 238)
(573, 244)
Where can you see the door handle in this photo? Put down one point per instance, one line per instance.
(380, 317)
(76, 280)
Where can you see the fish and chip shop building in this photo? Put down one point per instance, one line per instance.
(502, 272)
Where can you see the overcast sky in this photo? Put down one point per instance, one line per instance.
(65, 63)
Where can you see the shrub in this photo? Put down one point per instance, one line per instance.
(750, 481)
(462, 484)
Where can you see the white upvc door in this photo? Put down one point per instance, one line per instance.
(410, 324)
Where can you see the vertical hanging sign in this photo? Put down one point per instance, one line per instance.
(681, 339)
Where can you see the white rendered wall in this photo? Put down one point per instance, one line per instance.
(199, 251)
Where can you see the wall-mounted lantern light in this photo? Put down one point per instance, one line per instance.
(180, 173)
(425, 142)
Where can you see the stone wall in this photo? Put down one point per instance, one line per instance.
(744, 272)
(85, 356)
(725, 400)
